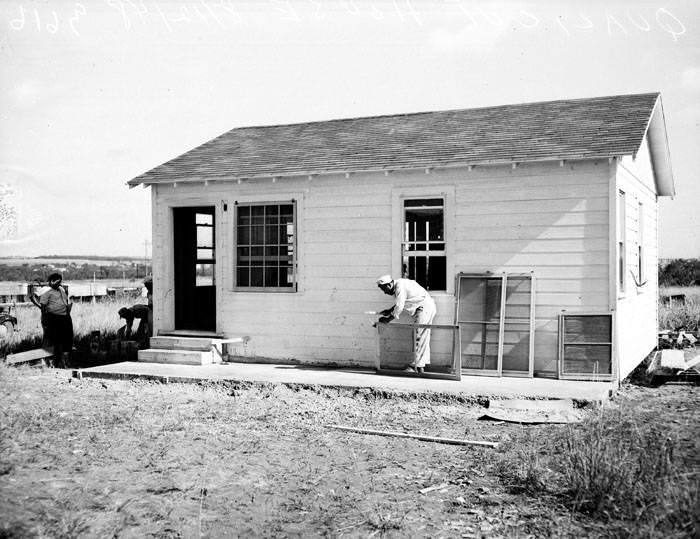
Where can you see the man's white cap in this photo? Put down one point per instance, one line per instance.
(384, 279)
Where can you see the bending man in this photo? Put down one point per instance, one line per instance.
(143, 330)
(415, 300)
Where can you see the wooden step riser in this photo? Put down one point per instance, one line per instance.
(176, 357)
(181, 343)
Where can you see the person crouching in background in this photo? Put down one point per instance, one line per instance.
(55, 309)
(129, 314)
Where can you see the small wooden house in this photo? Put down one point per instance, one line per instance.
(534, 226)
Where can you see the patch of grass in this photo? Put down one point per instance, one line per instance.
(676, 317)
(521, 464)
(616, 467)
(87, 317)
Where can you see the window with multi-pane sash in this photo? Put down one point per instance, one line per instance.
(266, 246)
(423, 257)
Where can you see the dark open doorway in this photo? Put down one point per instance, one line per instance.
(195, 290)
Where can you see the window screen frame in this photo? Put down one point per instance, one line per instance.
(456, 371)
(499, 371)
(607, 377)
(427, 253)
(295, 254)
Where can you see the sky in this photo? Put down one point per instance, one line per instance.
(94, 93)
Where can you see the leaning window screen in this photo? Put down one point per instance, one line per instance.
(265, 250)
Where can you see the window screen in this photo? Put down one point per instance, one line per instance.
(586, 344)
(495, 315)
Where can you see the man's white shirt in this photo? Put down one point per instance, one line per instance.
(409, 296)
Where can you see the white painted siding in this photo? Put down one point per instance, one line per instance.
(547, 219)
(543, 218)
(637, 314)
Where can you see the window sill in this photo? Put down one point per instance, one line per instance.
(249, 290)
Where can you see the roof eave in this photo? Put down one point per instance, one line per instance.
(145, 181)
(658, 148)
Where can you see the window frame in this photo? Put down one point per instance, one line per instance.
(562, 345)
(295, 255)
(211, 261)
(438, 190)
(621, 242)
(503, 320)
(427, 253)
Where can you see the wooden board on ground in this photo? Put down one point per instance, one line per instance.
(30, 356)
(532, 411)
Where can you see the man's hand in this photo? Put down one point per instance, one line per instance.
(387, 312)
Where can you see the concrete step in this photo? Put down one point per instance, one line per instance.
(176, 357)
(203, 344)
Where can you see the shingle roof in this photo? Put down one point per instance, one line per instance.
(567, 129)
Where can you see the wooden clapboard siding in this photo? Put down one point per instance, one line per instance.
(539, 205)
(340, 225)
(579, 245)
(333, 213)
(553, 272)
(347, 247)
(637, 315)
(540, 218)
(533, 260)
(534, 217)
(554, 232)
(553, 223)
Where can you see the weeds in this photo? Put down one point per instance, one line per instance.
(87, 317)
(674, 315)
(614, 468)
(522, 464)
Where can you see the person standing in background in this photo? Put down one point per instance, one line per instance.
(55, 309)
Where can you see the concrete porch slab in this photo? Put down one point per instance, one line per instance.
(469, 386)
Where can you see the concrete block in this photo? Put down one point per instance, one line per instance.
(30, 356)
(672, 359)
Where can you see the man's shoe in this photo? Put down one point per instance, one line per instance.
(409, 369)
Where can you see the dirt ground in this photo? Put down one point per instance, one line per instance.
(92, 458)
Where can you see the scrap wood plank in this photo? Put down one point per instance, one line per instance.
(437, 439)
(532, 411)
(29, 356)
(441, 486)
